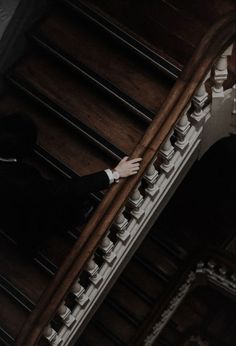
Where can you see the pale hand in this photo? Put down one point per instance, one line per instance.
(127, 167)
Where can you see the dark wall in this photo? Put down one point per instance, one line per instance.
(16, 16)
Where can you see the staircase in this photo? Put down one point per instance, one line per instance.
(93, 80)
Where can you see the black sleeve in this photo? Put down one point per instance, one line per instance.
(82, 186)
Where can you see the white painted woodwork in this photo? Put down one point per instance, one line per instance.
(181, 128)
(66, 315)
(151, 175)
(79, 293)
(92, 268)
(107, 247)
(51, 335)
(121, 224)
(221, 73)
(135, 202)
(167, 152)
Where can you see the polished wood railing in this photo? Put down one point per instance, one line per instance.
(157, 136)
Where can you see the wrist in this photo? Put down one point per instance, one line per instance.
(116, 175)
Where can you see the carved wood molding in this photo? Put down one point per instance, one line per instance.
(214, 271)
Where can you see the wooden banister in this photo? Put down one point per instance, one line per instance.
(212, 44)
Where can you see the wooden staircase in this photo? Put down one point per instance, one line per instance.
(93, 79)
(162, 257)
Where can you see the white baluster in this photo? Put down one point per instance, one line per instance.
(66, 315)
(221, 73)
(121, 224)
(167, 153)
(233, 117)
(151, 176)
(78, 291)
(107, 247)
(92, 268)
(199, 101)
(51, 335)
(135, 201)
(182, 128)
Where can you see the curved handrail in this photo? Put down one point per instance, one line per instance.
(213, 43)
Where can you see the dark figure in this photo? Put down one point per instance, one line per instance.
(32, 206)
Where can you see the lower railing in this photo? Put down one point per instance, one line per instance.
(210, 269)
(169, 147)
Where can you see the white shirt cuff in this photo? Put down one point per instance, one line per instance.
(110, 175)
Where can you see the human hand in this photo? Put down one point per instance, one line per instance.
(127, 167)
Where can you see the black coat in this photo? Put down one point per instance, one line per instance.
(32, 206)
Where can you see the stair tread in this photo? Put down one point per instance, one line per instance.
(129, 301)
(160, 25)
(108, 59)
(212, 10)
(146, 281)
(74, 95)
(95, 336)
(115, 323)
(62, 143)
(12, 315)
(152, 253)
(56, 247)
(21, 272)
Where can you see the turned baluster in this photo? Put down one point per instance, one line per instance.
(167, 152)
(221, 73)
(51, 335)
(66, 315)
(92, 268)
(107, 248)
(199, 101)
(78, 291)
(135, 202)
(151, 176)
(121, 224)
(181, 129)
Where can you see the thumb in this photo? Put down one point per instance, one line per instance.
(125, 158)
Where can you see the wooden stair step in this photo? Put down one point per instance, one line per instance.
(96, 334)
(130, 302)
(117, 32)
(106, 87)
(68, 118)
(152, 253)
(56, 247)
(12, 315)
(63, 143)
(207, 12)
(169, 334)
(67, 93)
(159, 24)
(21, 272)
(146, 281)
(115, 322)
(108, 59)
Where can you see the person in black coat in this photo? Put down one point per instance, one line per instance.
(33, 206)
